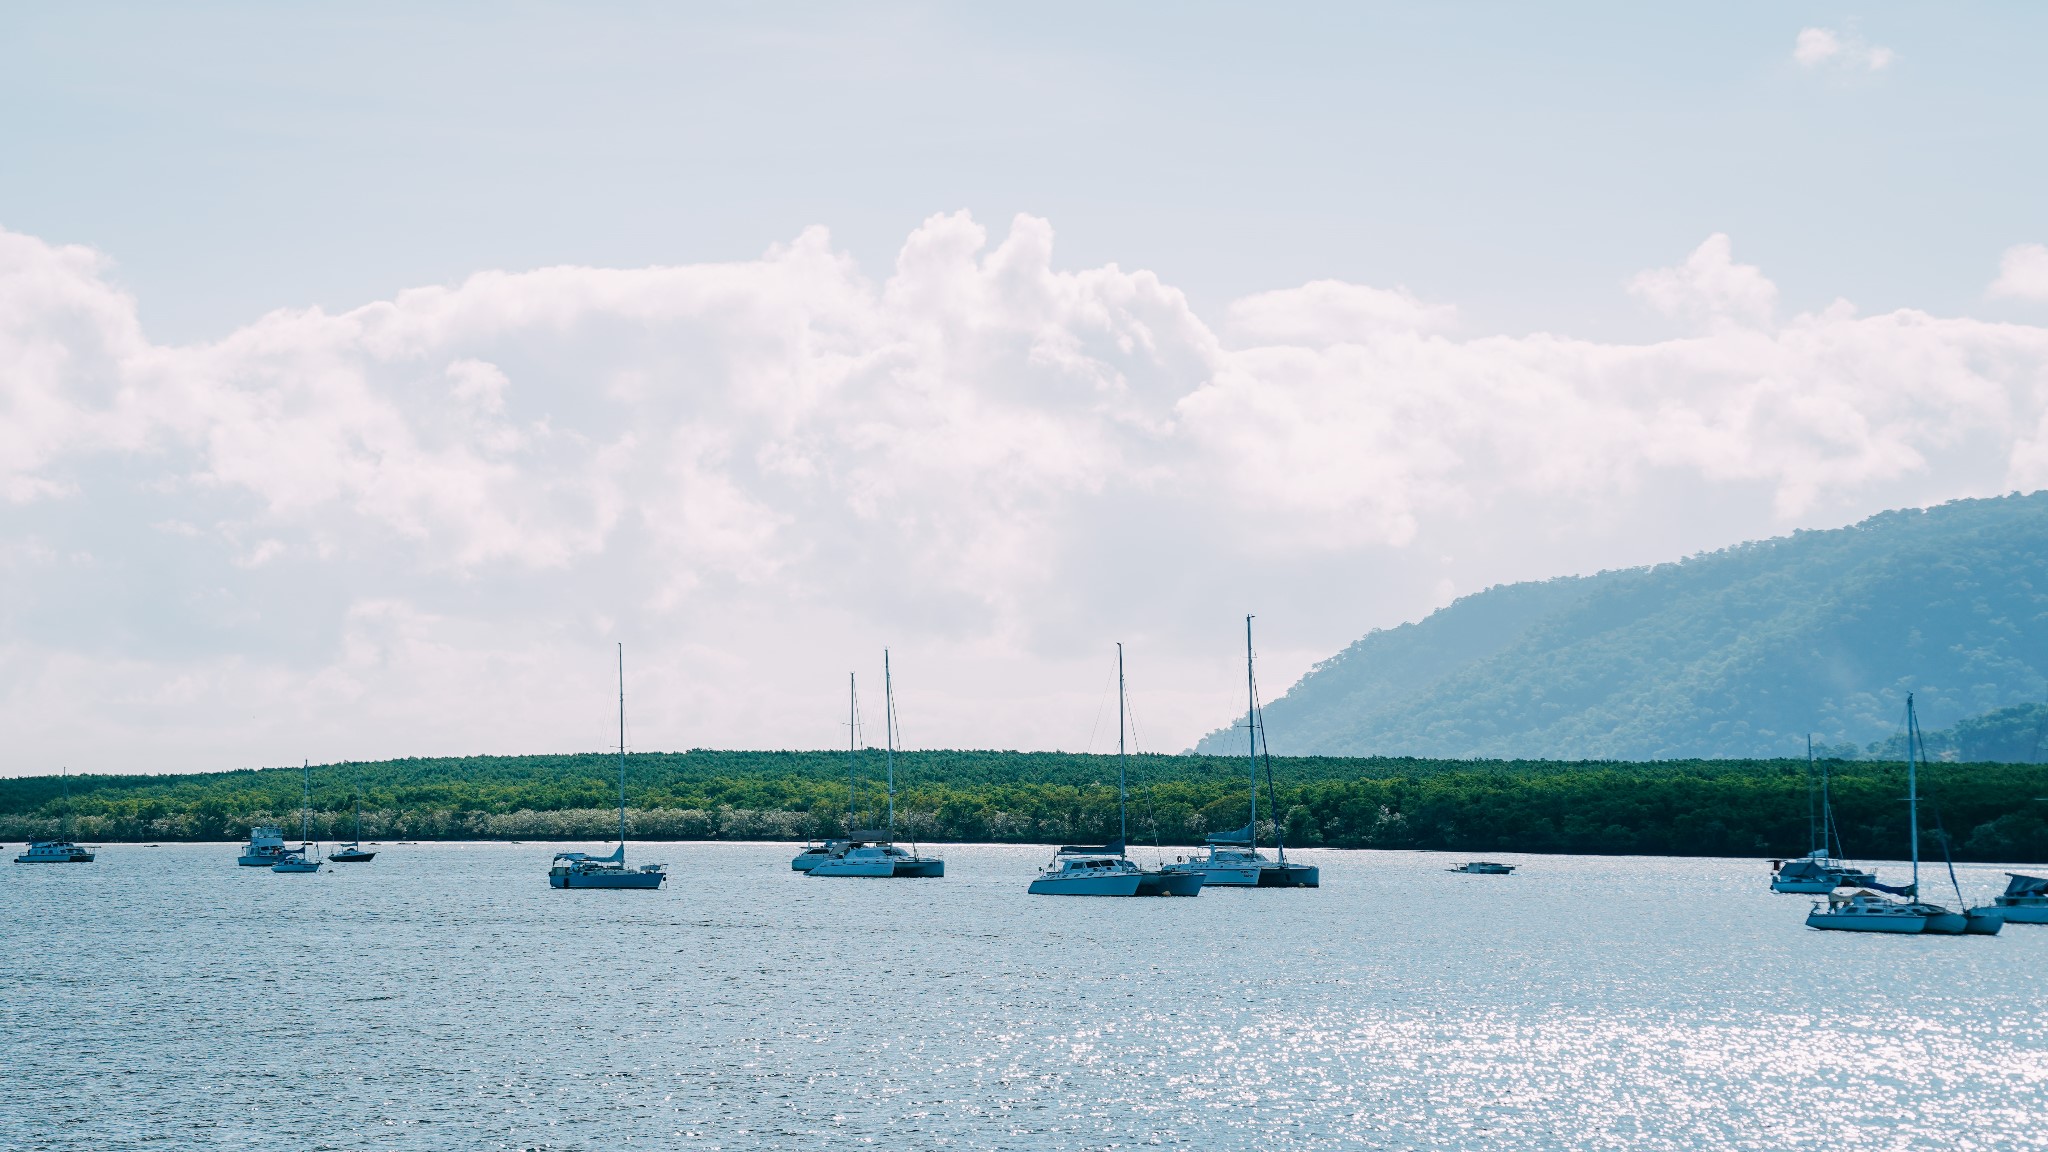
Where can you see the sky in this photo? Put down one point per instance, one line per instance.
(367, 373)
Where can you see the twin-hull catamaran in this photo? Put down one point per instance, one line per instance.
(61, 850)
(582, 870)
(1233, 859)
(1107, 870)
(1820, 871)
(871, 854)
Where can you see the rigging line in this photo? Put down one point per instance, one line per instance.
(1096, 726)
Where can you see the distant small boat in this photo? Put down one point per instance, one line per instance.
(582, 870)
(1483, 868)
(871, 854)
(306, 857)
(60, 850)
(2025, 899)
(352, 852)
(1819, 871)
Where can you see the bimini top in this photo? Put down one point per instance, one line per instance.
(1113, 848)
(1241, 836)
(618, 856)
(2026, 885)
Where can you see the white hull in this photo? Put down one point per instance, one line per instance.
(1117, 884)
(874, 868)
(1864, 922)
(1217, 876)
(2025, 913)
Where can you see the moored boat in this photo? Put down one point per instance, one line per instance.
(870, 854)
(353, 851)
(2025, 899)
(1865, 912)
(1483, 868)
(1820, 871)
(61, 850)
(582, 870)
(265, 847)
(306, 857)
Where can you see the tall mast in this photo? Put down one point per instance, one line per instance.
(1122, 831)
(306, 802)
(1810, 825)
(1829, 838)
(622, 752)
(889, 738)
(1251, 732)
(1912, 793)
(65, 771)
(852, 783)
(359, 804)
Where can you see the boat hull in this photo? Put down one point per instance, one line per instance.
(1983, 921)
(872, 869)
(1864, 922)
(306, 867)
(604, 880)
(1169, 884)
(1291, 876)
(1947, 924)
(1113, 884)
(920, 869)
(2025, 913)
(352, 857)
(257, 861)
(1805, 887)
(807, 861)
(1218, 877)
(81, 858)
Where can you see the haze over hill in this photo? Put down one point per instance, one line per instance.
(1740, 652)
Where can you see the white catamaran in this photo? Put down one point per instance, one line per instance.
(1233, 859)
(872, 854)
(582, 870)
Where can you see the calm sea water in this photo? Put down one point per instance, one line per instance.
(444, 997)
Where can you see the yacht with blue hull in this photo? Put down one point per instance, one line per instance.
(874, 854)
(1233, 859)
(582, 870)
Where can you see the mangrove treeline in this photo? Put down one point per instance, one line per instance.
(1988, 812)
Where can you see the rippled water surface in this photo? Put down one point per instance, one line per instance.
(444, 997)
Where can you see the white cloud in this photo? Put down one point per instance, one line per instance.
(415, 526)
(2022, 274)
(1816, 47)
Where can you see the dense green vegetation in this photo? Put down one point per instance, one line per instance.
(1735, 653)
(1731, 807)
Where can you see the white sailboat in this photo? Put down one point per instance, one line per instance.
(306, 857)
(61, 850)
(582, 870)
(352, 852)
(1108, 870)
(1821, 870)
(875, 855)
(1233, 859)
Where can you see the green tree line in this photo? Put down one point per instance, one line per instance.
(1994, 812)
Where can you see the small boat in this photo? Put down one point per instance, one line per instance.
(1483, 868)
(352, 852)
(1819, 871)
(1865, 912)
(306, 857)
(60, 850)
(582, 870)
(872, 854)
(265, 847)
(1233, 859)
(1107, 870)
(2025, 900)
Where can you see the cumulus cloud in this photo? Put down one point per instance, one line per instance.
(416, 526)
(1824, 47)
(2022, 274)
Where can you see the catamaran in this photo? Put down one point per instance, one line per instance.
(1107, 869)
(582, 870)
(1233, 859)
(352, 852)
(1820, 870)
(61, 850)
(873, 854)
(306, 857)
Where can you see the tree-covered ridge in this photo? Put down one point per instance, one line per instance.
(1734, 807)
(1740, 652)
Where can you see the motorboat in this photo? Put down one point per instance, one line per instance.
(353, 851)
(1819, 871)
(1233, 859)
(265, 847)
(873, 854)
(54, 852)
(581, 869)
(1483, 868)
(1108, 870)
(306, 857)
(2025, 900)
(60, 850)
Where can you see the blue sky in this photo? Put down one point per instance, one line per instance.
(367, 371)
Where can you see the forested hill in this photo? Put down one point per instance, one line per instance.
(1718, 808)
(1737, 653)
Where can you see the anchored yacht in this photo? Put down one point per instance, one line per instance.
(873, 854)
(60, 850)
(306, 857)
(265, 847)
(582, 870)
(2025, 899)
(1483, 868)
(1819, 871)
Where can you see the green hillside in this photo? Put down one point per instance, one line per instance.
(1737, 653)
(1734, 807)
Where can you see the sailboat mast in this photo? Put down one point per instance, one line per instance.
(1811, 842)
(1912, 794)
(359, 805)
(889, 738)
(622, 752)
(1251, 732)
(306, 802)
(852, 782)
(1122, 829)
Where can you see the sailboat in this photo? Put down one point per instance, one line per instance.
(352, 852)
(1233, 859)
(582, 870)
(1107, 870)
(875, 854)
(306, 857)
(61, 850)
(1819, 871)
(1867, 911)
